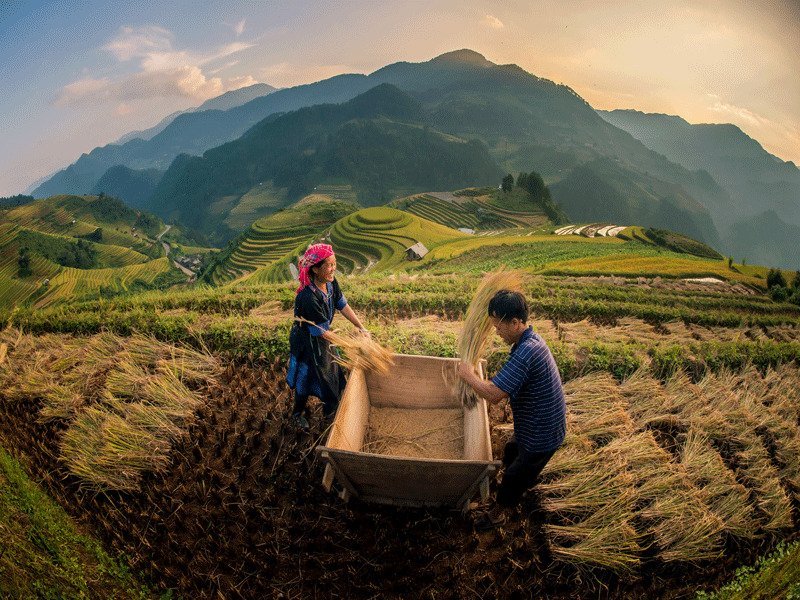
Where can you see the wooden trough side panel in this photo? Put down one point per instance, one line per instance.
(413, 382)
(413, 482)
(350, 424)
(477, 438)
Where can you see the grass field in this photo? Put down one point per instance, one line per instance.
(44, 555)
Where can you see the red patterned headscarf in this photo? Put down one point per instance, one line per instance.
(314, 254)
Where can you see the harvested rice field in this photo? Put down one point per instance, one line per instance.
(663, 486)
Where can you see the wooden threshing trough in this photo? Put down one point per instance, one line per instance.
(414, 391)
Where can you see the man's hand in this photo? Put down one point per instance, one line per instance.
(465, 370)
(485, 389)
(365, 332)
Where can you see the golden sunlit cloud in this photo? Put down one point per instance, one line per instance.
(736, 111)
(493, 22)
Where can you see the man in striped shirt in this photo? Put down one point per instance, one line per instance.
(531, 382)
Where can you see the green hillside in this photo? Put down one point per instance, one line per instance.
(376, 143)
(69, 246)
(277, 238)
(132, 186)
(603, 190)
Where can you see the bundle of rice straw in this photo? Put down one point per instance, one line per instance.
(477, 329)
(360, 351)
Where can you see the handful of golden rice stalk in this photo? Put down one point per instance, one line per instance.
(360, 351)
(475, 335)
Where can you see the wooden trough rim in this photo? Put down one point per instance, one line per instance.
(494, 463)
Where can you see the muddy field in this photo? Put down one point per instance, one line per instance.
(241, 513)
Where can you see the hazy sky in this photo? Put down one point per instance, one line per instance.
(76, 75)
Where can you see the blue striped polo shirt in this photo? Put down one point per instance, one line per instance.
(533, 384)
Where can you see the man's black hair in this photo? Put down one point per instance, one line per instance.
(507, 305)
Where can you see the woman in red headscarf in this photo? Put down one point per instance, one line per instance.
(312, 370)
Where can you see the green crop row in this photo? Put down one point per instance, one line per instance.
(243, 336)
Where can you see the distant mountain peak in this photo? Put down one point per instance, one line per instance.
(464, 56)
(384, 99)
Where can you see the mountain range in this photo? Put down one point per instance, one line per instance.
(597, 168)
(226, 101)
(764, 190)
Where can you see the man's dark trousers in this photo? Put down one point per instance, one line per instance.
(522, 471)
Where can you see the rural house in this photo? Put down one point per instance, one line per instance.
(416, 252)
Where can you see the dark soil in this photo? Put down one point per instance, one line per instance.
(241, 514)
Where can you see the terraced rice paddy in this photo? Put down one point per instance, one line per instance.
(377, 238)
(51, 216)
(262, 200)
(276, 240)
(70, 282)
(340, 192)
(121, 265)
(262, 247)
(647, 264)
(468, 212)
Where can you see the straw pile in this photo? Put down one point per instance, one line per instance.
(416, 433)
(124, 401)
(475, 335)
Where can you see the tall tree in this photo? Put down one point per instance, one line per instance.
(508, 183)
(24, 262)
(535, 186)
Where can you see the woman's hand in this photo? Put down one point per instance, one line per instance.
(365, 332)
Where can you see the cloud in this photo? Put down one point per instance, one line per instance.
(182, 82)
(239, 27)
(76, 91)
(164, 72)
(134, 43)
(493, 22)
(227, 65)
(239, 82)
(743, 114)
